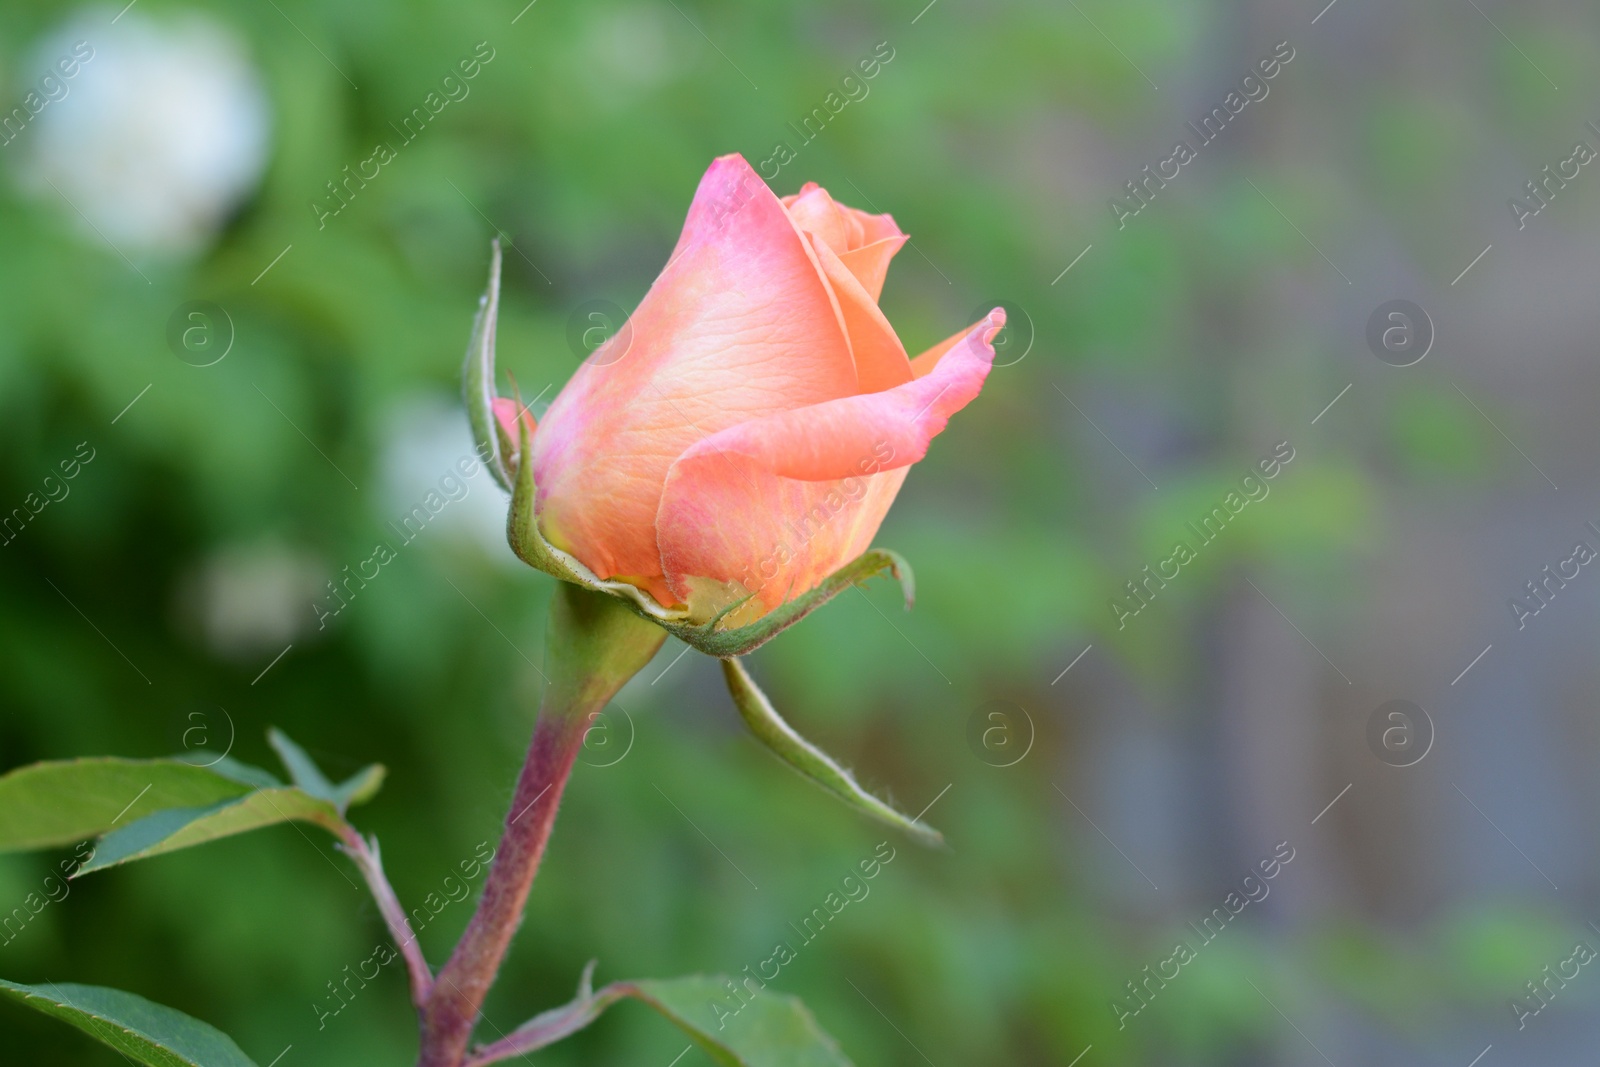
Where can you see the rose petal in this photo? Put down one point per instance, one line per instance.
(788, 201)
(814, 211)
(881, 360)
(773, 505)
(870, 262)
(740, 325)
(843, 228)
(865, 243)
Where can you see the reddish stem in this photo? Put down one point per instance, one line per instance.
(458, 992)
(594, 644)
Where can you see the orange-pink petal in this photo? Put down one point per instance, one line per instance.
(843, 228)
(739, 326)
(881, 360)
(870, 262)
(773, 505)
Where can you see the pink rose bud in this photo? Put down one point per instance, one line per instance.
(749, 440)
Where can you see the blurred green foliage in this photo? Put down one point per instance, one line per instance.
(994, 137)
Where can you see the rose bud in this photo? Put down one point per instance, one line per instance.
(741, 438)
(721, 463)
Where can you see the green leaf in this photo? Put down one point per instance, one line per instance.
(770, 1030)
(44, 805)
(144, 1032)
(147, 807)
(303, 771)
(763, 1029)
(739, 641)
(175, 828)
(357, 789)
(771, 730)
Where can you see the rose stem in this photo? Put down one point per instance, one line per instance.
(593, 646)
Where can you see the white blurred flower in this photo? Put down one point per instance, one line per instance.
(160, 135)
(251, 599)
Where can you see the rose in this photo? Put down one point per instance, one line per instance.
(746, 432)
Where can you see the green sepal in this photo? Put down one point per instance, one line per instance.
(503, 456)
(528, 541)
(477, 379)
(771, 730)
(741, 640)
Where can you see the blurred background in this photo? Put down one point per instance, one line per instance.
(250, 377)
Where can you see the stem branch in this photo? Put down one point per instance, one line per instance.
(369, 862)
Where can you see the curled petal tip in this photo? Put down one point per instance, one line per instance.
(994, 322)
